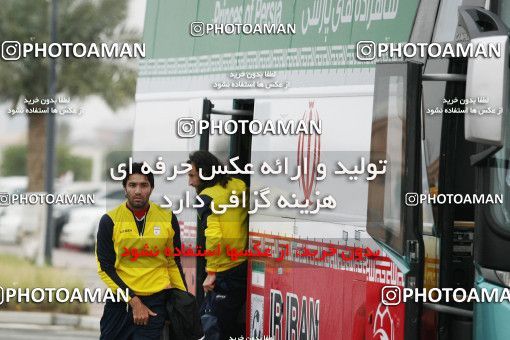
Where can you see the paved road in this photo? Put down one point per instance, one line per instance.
(29, 332)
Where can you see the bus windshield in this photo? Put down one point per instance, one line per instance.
(500, 183)
(500, 172)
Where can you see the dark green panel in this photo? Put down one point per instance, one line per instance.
(149, 29)
(267, 12)
(172, 23)
(319, 23)
(225, 11)
(384, 21)
(326, 33)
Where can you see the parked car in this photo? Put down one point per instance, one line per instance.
(11, 224)
(81, 227)
(80, 231)
(13, 184)
(11, 230)
(61, 212)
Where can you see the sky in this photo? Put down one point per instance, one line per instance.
(95, 112)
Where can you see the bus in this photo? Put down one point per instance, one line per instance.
(400, 138)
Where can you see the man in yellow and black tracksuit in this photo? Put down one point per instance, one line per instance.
(225, 283)
(131, 228)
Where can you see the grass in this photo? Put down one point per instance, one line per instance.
(16, 272)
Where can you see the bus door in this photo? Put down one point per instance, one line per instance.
(447, 228)
(488, 78)
(449, 173)
(393, 214)
(224, 146)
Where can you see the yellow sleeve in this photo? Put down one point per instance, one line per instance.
(109, 282)
(213, 237)
(106, 256)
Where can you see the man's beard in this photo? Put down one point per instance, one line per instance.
(138, 205)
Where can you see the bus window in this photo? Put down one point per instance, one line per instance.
(219, 144)
(428, 217)
(394, 135)
(504, 11)
(500, 172)
(388, 133)
(433, 94)
(500, 184)
(445, 25)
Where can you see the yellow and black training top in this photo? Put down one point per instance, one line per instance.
(119, 265)
(229, 228)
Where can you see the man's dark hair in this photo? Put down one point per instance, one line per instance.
(137, 169)
(206, 161)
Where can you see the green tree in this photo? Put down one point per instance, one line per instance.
(113, 159)
(79, 21)
(14, 162)
(80, 166)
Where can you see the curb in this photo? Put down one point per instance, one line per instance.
(53, 319)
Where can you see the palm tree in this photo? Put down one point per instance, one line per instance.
(85, 21)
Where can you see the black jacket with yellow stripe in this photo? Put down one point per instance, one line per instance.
(118, 235)
(228, 228)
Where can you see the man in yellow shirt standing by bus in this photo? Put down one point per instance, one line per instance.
(226, 278)
(138, 224)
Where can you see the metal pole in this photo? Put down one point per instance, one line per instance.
(50, 140)
(444, 77)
